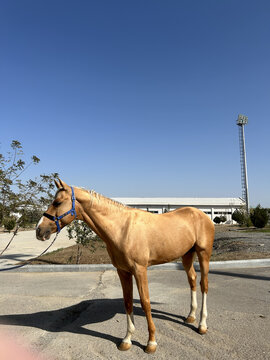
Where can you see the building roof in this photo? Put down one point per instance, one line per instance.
(143, 201)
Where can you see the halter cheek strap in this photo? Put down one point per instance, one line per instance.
(72, 212)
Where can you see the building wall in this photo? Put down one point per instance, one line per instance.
(211, 206)
(211, 211)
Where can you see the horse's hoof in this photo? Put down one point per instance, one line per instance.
(190, 320)
(202, 330)
(151, 347)
(124, 346)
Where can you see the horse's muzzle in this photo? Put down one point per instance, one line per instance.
(43, 234)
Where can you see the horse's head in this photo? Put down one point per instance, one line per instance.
(59, 214)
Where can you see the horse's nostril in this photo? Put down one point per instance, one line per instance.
(47, 234)
(38, 233)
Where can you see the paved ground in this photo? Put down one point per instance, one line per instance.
(79, 316)
(25, 246)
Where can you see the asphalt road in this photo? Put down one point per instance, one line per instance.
(79, 316)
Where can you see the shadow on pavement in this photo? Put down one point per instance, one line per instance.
(73, 319)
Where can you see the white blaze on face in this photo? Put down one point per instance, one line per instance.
(40, 222)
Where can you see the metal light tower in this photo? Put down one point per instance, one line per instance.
(241, 122)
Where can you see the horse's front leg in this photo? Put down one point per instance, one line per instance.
(127, 286)
(142, 284)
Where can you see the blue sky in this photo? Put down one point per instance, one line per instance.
(139, 98)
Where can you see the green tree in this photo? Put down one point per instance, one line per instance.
(259, 216)
(9, 223)
(21, 197)
(240, 216)
(223, 219)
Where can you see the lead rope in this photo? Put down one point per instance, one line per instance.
(27, 261)
(14, 234)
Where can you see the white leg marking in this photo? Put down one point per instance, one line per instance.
(130, 328)
(40, 221)
(203, 312)
(193, 304)
(152, 343)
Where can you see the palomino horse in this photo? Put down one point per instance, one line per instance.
(136, 239)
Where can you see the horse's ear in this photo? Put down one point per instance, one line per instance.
(57, 184)
(63, 184)
(60, 184)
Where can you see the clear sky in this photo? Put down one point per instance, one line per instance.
(139, 98)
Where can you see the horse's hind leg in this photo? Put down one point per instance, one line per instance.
(204, 258)
(187, 261)
(127, 286)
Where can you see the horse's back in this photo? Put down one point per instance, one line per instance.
(171, 235)
(203, 227)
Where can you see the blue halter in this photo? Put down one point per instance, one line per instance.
(72, 212)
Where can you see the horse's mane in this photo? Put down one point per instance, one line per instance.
(101, 198)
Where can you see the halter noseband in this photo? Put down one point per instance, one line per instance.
(72, 212)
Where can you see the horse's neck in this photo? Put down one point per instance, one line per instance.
(104, 216)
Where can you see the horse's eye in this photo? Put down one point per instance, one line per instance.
(56, 203)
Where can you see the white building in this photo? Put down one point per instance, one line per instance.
(211, 206)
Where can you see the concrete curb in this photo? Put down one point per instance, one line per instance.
(214, 265)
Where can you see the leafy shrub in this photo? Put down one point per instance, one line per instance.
(9, 223)
(223, 219)
(248, 222)
(259, 216)
(217, 220)
(81, 232)
(240, 216)
(83, 235)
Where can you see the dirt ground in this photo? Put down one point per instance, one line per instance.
(236, 243)
(231, 243)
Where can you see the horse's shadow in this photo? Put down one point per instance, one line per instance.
(69, 319)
